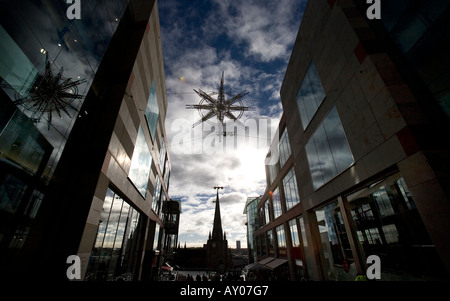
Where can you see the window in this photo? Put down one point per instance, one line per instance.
(276, 203)
(272, 173)
(303, 231)
(291, 196)
(156, 238)
(15, 67)
(140, 163)
(115, 246)
(294, 233)
(152, 111)
(162, 155)
(310, 95)
(156, 204)
(267, 212)
(281, 237)
(327, 150)
(284, 148)
(270, 242)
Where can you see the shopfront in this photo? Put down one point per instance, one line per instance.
(379, 219)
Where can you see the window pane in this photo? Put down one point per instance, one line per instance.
(328, 151)
(290, 190)
(284, 148)
(140, 163)
(267, 212)
(116, 241)
(294, 233)
(281, 237)
(310, 95)
(276, 203)
(152, 111)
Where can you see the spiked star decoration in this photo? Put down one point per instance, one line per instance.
(221, 108)
(50, 93)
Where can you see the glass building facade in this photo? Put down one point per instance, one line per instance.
(79, 162)
(37, 40)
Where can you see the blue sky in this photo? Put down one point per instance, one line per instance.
(251, 42)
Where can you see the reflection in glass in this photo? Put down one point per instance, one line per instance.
(290, 189)
(156, 238)
(114, 250)
(267, 212)
(294, 233)
(33, 31)
(284, 148)
(276, 203)
(388, 225)
(270, 242)
(273, 173)
(327, 150)
(334, 262)
(310, 95)
(152, 111)
(23, 144)
(140, 163)
(156, 202)
(281, 240)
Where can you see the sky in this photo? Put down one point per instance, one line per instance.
(250, 42)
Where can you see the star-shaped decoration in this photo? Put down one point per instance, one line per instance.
(224, 109)
(50, 93)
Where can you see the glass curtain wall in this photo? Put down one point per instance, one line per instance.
(37, 37)
(115, 252)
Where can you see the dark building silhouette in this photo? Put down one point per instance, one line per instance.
(217, 253)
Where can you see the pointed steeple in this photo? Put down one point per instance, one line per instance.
(217, 226)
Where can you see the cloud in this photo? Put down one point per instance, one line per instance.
(265, 27)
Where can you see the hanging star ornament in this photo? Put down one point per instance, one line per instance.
(50, 93)
(225, 110)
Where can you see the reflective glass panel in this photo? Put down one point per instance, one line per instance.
(114, 250)
(141, 162)
(327, 150)
(281, 238)
(291, 195)
(276, 202)
(267, 212)
(152, 111)
(157, 195)
(310, 95)
(294, 233)
(284, 148)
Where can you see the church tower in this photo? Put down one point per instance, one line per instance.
(217, 252)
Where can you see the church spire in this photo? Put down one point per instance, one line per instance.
(217, 226)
